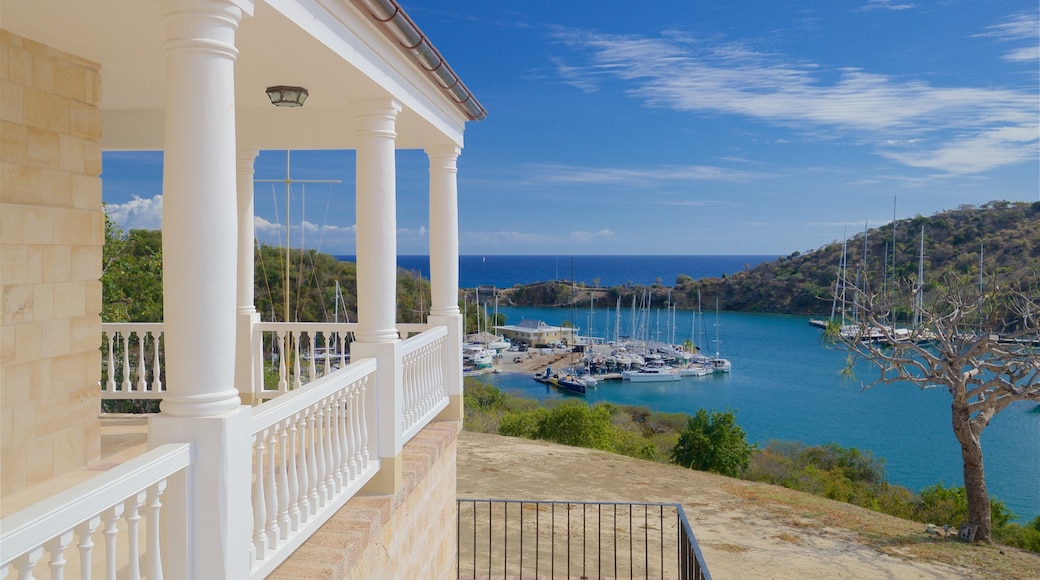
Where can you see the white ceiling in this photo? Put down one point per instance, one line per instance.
(341, 58)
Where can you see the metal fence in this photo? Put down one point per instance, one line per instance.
(559, 539)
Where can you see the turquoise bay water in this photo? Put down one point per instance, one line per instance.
(785, 384)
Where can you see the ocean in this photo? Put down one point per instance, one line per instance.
(785, 382)
(786, 385)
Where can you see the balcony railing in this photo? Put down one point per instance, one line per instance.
(312, 454)
(131, 353)
(286, 356)
(313, 444)
(106, 511)
(551, 539)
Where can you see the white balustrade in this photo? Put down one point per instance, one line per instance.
(132, 355)
(311, 450)
(111, 505)
(300, 352)
(424, 362)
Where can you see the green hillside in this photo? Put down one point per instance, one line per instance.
(804, 283)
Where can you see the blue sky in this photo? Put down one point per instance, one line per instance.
(679, 127)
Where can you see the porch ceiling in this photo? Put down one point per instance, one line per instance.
(328, 46)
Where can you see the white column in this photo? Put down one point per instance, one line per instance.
(444, 230)
(377, 281)
(444, 266)
(207, 532)
(377, 221)
(199, 207)
(244, 348)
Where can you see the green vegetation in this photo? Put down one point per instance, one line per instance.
(803, 283)
(713, 441)
(131, 275)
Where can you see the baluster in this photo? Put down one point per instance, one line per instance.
(312, 462)
(341, 346)
(304, 467)
(297, 382)
(321, 468)
(328, 354)
(314, 352)
(294, 483)
(133, 518)
(340, 447)
(326, 446)
(363, 424)
(85, 531)
(280, 337)
(111, 519)
(24, 563)
(352, 447)
(56, 548)
(110, 385)
(283, 479)
(153, 555)
(127, 385)
(259, 503)
(142, 381)
(408, 379)
(156, 368)
(272, 491)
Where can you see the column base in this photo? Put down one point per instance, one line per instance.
(210, 520)
(389, 479)
(455, 411)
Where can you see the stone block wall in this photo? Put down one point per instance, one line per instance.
(51, 236)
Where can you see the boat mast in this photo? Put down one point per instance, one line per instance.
(919, 297)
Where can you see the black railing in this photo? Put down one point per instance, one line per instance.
(552, 539)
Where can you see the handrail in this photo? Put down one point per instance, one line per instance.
(36, 525)
(295, 401)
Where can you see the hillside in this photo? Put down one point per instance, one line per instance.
(804, 283)
(745, 529)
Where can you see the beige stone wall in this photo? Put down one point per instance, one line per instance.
(51, 236)
(410, 534)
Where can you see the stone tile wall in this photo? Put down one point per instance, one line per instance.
(51, 236)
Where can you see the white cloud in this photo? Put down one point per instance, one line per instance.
(510, 239)
(582, 236)
(1023, 26)
(686, 75)
(885, 5)
(559, 173)
(137, 214)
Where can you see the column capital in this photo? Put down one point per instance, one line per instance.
(246, 159)
(449, 151)
(202, 26)
(377, 118)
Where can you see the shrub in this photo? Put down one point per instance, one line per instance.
(713, 443)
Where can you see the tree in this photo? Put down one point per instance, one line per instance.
(977, 342)
(713, 443)
(131, 275)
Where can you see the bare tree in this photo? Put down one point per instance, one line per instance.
(981, 344)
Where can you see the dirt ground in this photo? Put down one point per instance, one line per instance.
(745, 529)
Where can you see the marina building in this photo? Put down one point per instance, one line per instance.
(537, 333)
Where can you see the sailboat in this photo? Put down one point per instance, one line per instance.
(717, 363)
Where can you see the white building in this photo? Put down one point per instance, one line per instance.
(227, 490)
(537, 333)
